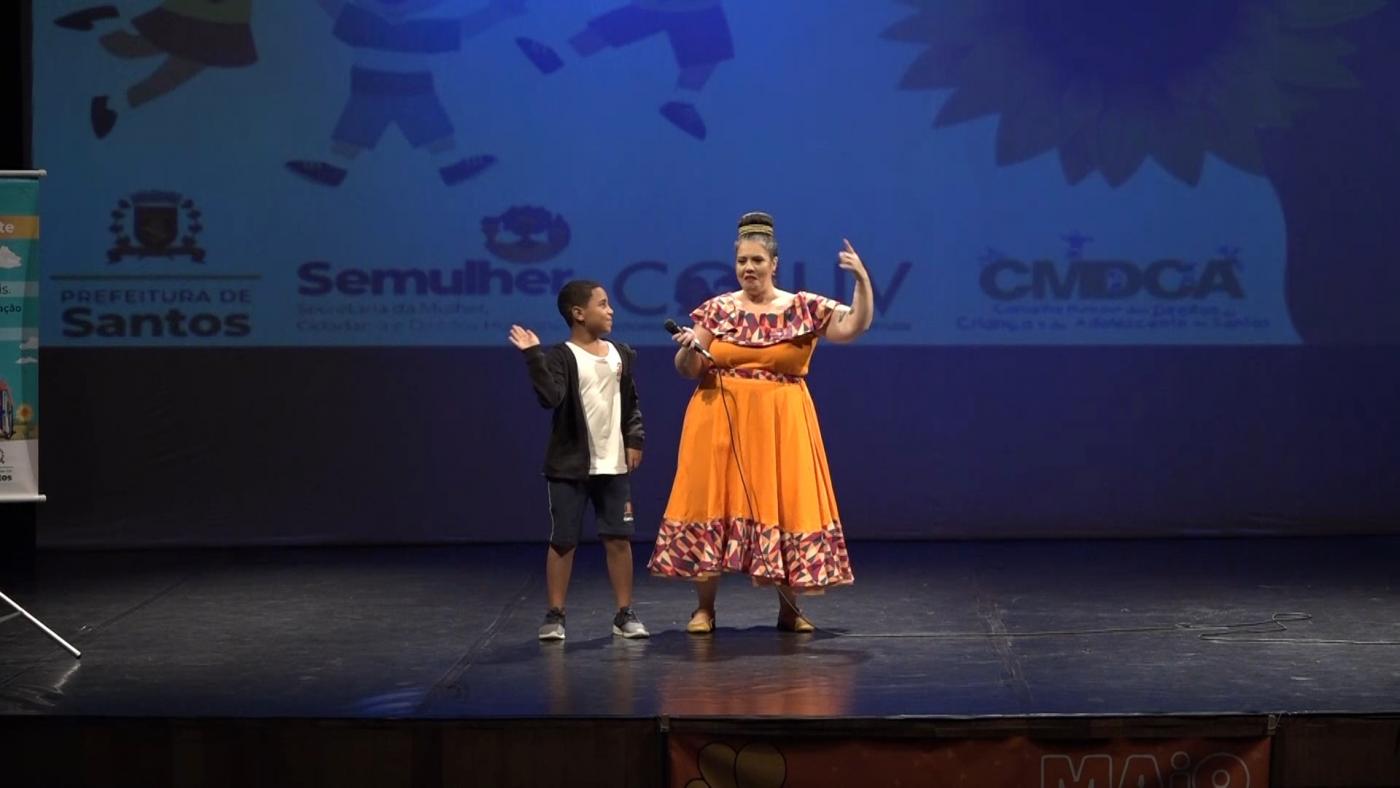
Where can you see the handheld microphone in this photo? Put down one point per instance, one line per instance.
(673, 329)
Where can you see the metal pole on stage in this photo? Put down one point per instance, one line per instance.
(36, 622)
(19, 610)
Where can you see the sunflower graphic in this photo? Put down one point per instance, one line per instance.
(753, 766)
(24, 413)
(1108, 83)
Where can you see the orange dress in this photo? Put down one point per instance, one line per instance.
(753, 492)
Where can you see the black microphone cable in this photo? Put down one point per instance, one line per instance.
(1236, 632)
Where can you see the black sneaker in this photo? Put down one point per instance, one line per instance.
(542, 55)
(685, 117)
(102, 116)
(322, 172)
(83, 20)
(454, 174)
(553, 626)
(626, 624)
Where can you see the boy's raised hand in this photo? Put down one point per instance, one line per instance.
(523, 338)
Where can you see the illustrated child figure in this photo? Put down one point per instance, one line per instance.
(191, 35)
(393, 82)
(698, 31)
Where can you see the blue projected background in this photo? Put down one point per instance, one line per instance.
(1135, 262)
(1013, 172)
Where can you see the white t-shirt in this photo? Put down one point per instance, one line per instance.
(600, 389)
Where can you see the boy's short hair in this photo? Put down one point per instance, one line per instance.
(575, 294)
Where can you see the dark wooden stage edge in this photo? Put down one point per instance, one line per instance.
(1303, 750)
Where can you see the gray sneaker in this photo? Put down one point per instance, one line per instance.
(626, 624)
(553, 626)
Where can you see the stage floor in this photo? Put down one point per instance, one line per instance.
(1013, 629)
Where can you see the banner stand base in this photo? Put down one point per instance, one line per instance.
(18, 540)
(19, 611)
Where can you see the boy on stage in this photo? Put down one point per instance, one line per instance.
(595, 442)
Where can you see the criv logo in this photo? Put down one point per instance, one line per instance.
(693, 284)
(1142, 770)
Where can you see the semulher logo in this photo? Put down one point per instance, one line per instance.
(524, 234)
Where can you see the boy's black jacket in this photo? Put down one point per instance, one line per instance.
(554, 374)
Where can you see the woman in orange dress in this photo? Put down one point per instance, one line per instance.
(753, 492)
